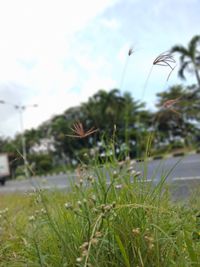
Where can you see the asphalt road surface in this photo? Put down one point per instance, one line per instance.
(177, 167)
(183, 173)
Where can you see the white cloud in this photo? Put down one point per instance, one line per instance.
(112, 24)
(36, 57)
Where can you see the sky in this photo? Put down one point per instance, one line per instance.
(58, 53)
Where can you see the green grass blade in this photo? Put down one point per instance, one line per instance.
(123, 251)
(191, 252)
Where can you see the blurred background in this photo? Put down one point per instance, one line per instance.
(97, 62)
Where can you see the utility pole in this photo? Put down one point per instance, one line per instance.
(21, 109)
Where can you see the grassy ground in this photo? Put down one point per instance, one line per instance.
(127, 223)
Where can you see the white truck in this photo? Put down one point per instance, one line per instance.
(4, 168)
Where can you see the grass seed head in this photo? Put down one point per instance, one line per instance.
(94, 241)
(4, 211)
(150, 246)
(79, 131)
(94, 199)
(84, 246)
(43, 211)
(68, 205)
(95, 210)
(84, 253)
(115, 174)
(90, 178)
(98, 234)
(149, 239)
(118, 186)
(136, 231)
(31, 218)
(131, 168)
(79, 259)
(85, 201)
(165, 59)
(130, 51)
(79, 203)
(171, 102)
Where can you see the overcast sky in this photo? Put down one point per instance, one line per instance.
(57, 53)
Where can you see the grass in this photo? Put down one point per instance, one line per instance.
(128, 222)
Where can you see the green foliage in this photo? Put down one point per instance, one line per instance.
(127, 223)
(189, 58)
(19, 171)
(108, 111)
(180, 122)
(40, 163)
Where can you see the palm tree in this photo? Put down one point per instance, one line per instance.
(189, 57)
(103, 109)
(180, 121)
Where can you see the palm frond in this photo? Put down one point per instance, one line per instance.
(197, 61)
(184, 65)
(193, 45)
(180, 49)
(182, 58)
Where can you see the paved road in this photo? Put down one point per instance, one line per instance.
(180, 167)
(186, 174)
